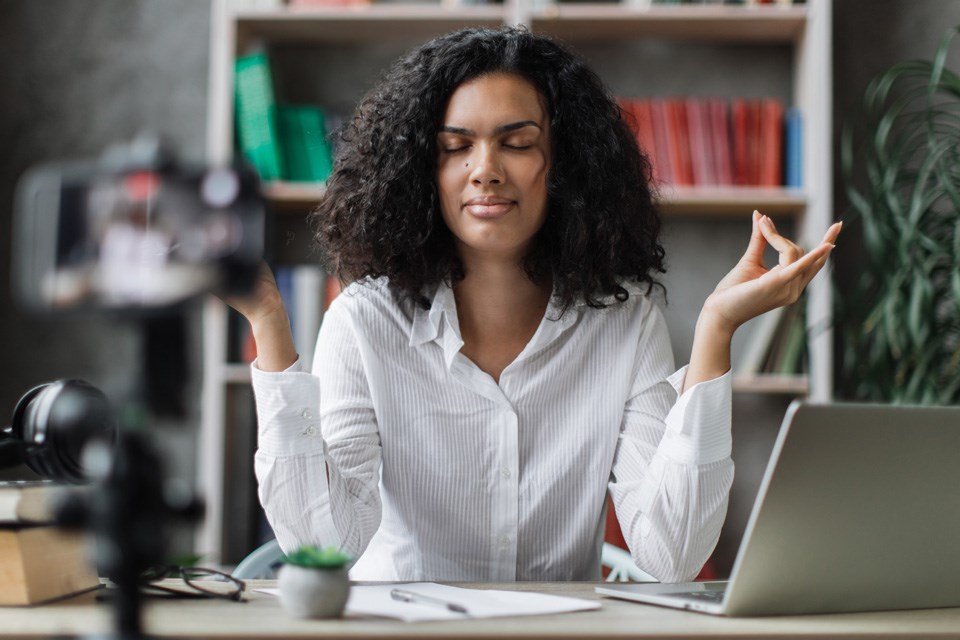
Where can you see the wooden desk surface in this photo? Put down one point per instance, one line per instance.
(262, 617)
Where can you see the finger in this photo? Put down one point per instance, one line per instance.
(800, 266)
(832, 233)
(814, 269)
(788, 251)
(758, 244)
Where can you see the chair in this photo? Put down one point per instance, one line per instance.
(263, 561)
(621, 565)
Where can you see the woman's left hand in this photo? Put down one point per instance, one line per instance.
(751, 289)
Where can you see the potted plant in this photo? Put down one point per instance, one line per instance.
(900, 325)
(313, 582)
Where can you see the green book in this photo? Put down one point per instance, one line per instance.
(256, 116)
(303, 136)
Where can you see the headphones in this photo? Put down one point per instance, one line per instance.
(52, 423)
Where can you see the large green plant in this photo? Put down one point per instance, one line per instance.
(900, 326)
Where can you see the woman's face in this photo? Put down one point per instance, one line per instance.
(493, 153)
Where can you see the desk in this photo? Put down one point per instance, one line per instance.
(261, 617)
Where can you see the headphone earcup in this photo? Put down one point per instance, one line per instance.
(13, 450)
(55, 421)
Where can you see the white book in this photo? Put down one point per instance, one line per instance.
(307, 312)
(760, 332)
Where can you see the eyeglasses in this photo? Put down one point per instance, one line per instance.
(198, 582)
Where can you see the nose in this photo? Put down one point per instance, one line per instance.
(486, 165)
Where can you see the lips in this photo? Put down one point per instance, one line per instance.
(488, 206)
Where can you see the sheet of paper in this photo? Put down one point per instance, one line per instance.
(375, 600)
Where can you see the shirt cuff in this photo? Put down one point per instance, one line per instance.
(698, 427)
(287, 411)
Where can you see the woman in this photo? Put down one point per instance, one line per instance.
(495, 365)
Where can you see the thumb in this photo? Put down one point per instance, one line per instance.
(758, 243)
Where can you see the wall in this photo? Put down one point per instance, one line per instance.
(77, 77)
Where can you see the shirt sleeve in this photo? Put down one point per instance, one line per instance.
(318, 457)
(672, 469)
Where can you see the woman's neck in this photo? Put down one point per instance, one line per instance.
(499, 309)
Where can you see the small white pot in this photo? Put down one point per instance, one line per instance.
(313, 593)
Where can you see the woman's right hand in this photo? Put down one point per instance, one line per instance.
(262, 300)
(263, 308)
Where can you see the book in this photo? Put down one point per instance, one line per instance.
(303, 141)
(770, 173)
(28, 501)
(43, 563)
(308, 295)
(738, 115)
(793, 148)
(762, 331)
(720, 132)
(256, 116)
(664, 149)
(701, 149)
(679, 138)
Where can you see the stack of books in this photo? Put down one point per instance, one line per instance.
(39, 561)
(281, 141)
(712, 142)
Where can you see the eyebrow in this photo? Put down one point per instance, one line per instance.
(505, 128)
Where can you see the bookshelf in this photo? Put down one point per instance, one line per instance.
(388, 29)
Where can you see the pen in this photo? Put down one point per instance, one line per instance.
(409, 596)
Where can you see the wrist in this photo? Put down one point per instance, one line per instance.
(275, 348)
(714, 323)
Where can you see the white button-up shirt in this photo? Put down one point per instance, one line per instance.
(400, 450)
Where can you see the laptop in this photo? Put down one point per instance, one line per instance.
(859, 510)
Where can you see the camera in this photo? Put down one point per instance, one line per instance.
(134, 230)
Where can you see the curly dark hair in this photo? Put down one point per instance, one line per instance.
(380, 214)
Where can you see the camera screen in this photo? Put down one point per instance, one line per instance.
(138, 238)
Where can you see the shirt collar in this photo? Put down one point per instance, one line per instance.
(439, 323)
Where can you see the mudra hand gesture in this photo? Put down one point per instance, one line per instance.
(751, 289)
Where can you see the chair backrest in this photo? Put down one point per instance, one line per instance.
(621, 565)
(261, 563)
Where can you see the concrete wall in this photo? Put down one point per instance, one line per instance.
(78, 76)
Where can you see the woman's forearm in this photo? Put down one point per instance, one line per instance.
(275, 349)
(710, 355)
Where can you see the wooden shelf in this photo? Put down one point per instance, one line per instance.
(583, 21)
(769, 383)
(297, 197)
(369, 23)
(731, 201)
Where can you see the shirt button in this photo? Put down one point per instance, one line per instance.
(505, 473)
(309, 431)
(306, 414)
(504, 540)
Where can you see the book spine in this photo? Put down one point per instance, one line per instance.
(256, 116)
(793, 148)
(303, 137)
(771, 145)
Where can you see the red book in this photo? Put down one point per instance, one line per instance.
(754, 135)
(720, 142)
(646, 138)
(771, 143)
(661, 135)
(679, 137)
(701, 154)
(738, 112)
